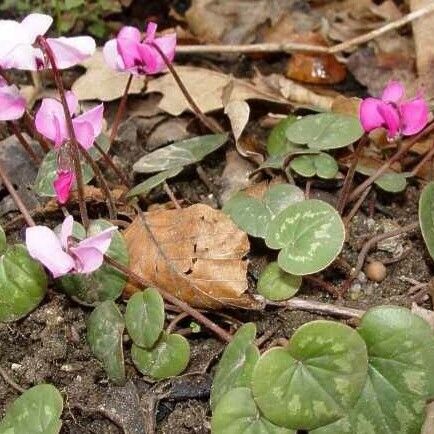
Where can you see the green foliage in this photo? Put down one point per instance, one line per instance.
(237, 363)
(391, 182)
(144, 317)
(168, 358)
(426, 216)
(254, 215)
(154, 181)
(3, 242)
(311, 235)
(180, 154)
(321, 165)
(36, 411)
(276, 284)
(105, 327)
(277, 142)
(23, 283)
(106, 283)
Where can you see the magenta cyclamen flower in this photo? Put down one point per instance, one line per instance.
(61, 255)
(17, 48)
(50, 121)
(398, 116)
(129, 52)
(12, 104)
(63, 184)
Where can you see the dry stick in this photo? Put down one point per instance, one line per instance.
(428, 156)
(11, 382)
(120, 111)
(332, 290)
(75, 154)
(24, 143)
(172, 197)
(403, 150)
(348, 183)
(210, 124)
(175, 321)
(293, 46)
(142, 283)
(16, 197)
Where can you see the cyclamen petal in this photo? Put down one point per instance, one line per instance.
(393, 92)
(414, 116)
(71, 51)
(391, 119)
(12, 104)
(112, 56)
(35, 25)
(63, 184)
(88, 126)
(66, 231)
(87, 259)
(130, 32)
(50, 121)
(370, 117)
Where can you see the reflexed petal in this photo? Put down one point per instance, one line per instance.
(370, 117)
(71, 51)
(391, 118)
(94, 117)
(129, 51)
(44, 246)
(130, 32)
(112, 56)
(393, 92)
(87, 259)
(12, 104)
(36, 25)
(23, 56)
(66, 231)
(100, 241)
(414, 116)
(151, 60)
(167, 45)
(151, 29)
(50, 121)
(63, 184)
(84, 133)
(72, 102)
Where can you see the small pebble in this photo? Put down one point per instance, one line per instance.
(376, 271)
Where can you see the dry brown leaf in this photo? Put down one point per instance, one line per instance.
(206, 87)
(196, 253)
(102, 83)
(345, 105)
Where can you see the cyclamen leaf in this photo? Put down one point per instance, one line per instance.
(36, 411)
(276, 284)
(277, 142)
(426, 216)
(180, 154)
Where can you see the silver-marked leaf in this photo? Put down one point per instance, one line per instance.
(277, 142)
(154, 181)
(392, 182)
(276, 284)
(321, 165)
(36, 411)
(303, 165)
(237, 413)
(311, 235)
(105, 327)
(237, 363)
(180, 154)
(280, 196)
(106, 283)
(325, 131)
(23, 283)
(313, 381)
(426, 216)
(400, 375)
(168, 358)
(144, 317)
(249, 214)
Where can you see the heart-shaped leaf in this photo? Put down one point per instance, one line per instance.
(237, 363)
(168, 358)
(276, 284)
(426, 216)
(313, 381)
(180, 154)
(392, 182)
(105, 327)
(321, 165)
(311, 235)
(144, 317)
(149, 184)
(325, 131)
(254, 215)
(237, 413)
(400, 375)
(23, 283)
(277, 142)
(106, 283)
(36, 411)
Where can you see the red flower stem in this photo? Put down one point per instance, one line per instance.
(120, 111)
(75, 155)
(16, 197)
(209, 123)
(194, 313)
(24, 143)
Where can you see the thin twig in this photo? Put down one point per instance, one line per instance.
(172, 197)
(24, 143)
(11, 382)
(356, 206)
(427, 157)
(332, 290)
(294, 46)
(178, 318)
(120, 111)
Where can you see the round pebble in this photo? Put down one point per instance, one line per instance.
(376, 271)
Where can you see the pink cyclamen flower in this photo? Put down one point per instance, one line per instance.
(398, 116)
(12, 103)
(17, 48)
(60, 255)
(63, 184)
(50, 121)
(129, 52)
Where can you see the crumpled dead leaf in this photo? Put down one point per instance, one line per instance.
(102, 83)
(196, 253)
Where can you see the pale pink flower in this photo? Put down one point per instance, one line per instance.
(63, 184)
(398, 116)
(12, 103)
(50, 121)
(129, 52)
(18, 50)
(61, 255)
